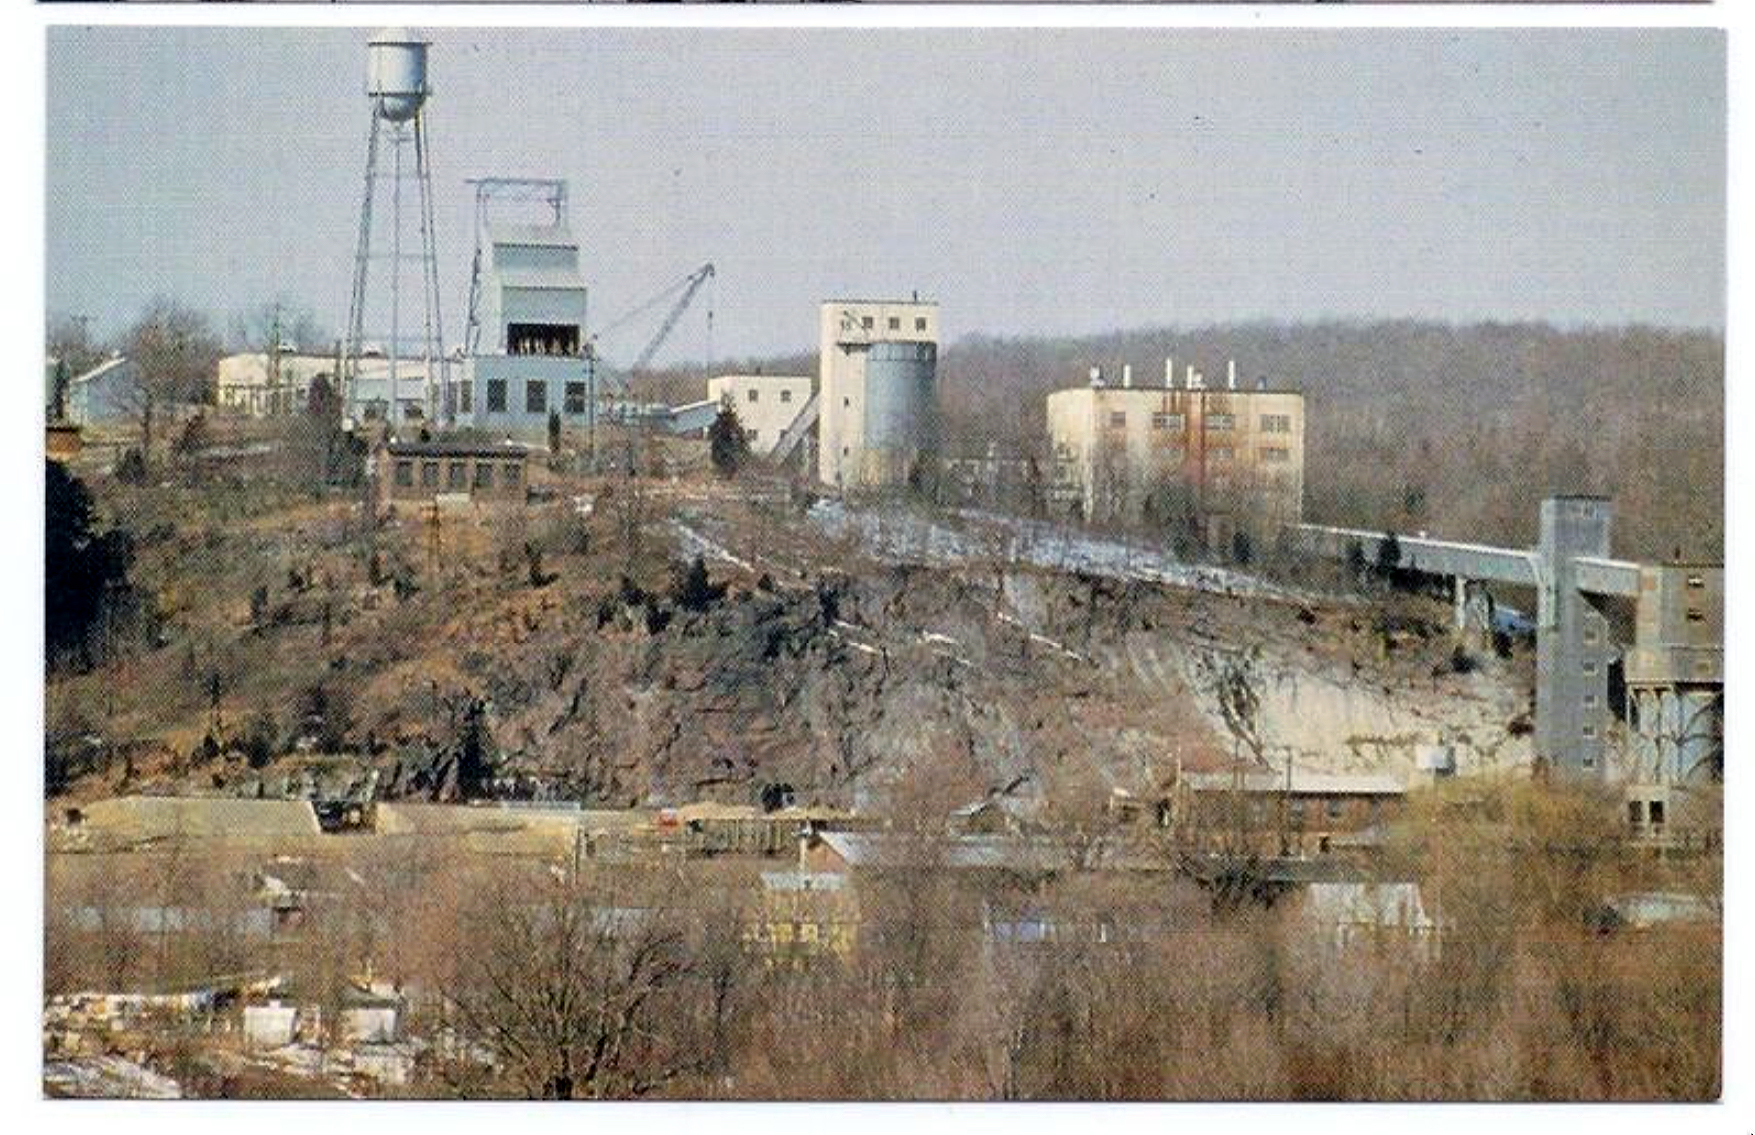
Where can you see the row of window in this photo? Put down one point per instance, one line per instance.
(1167, 420)
(535, 397)
(457, 476)
(1269, 454)
(785, 395)
(869, 323)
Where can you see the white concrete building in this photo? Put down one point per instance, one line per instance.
(766, 404)
(266, 384)
(530, 357)
(878, 385)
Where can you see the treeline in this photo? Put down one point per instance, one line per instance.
(1459, 430)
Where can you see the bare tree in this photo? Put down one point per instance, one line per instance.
(280, 324)
(580, 994)
(175, 353)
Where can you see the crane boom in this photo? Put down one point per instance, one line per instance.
(691, 285)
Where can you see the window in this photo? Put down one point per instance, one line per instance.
(1696, 615)
(496, 396)
(1164, 421)
(1221, 422)
(1590, 666)
(457, 476)
(404, 474)
(754, 395)
(786, 396)
(511, 475)
(542, 339)
(1590, 701)
(846, 402)
(1221, 453)
(536, 396)
(413, 411)
(1117, 418)
(484, 474)
(1591, 637)
(895, 323)
(867, 323)
(1276, 423)
(465, 397)
(1696, 582)
(1657, 811)
(429, 474)
(1636, 812)
(920, 323)
(1275, 455)
(752, 436)
(1588, 731)
(1175, 455)
(575, 394)
(1334, 808)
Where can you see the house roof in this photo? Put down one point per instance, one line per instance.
(889, 851)
(103, 368)
(199, 817)
(1302, 783)
(453, 449)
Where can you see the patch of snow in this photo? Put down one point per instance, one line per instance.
(702, 546)
(905, 536)
(108, 1077)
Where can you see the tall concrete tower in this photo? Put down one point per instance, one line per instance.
(395, 380)
(1572, 649)
(878, 391)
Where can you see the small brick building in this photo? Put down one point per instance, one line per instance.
(421, 471)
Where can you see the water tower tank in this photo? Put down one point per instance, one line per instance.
(396, 74)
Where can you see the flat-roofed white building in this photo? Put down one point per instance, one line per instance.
(1223, 460)
(766, 404)
(265, 384)
(531, 358)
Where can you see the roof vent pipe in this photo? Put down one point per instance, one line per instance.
(1127, 376)
(1169, 373)
(1230, 374)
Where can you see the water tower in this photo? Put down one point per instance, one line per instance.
(374, 374)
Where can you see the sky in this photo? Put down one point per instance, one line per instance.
(1033, 182)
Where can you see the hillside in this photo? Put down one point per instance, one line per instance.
(858, 655)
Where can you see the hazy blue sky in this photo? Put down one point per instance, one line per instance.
(1039, 180)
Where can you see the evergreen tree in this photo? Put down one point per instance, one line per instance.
(727, 443)
(86, 571)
